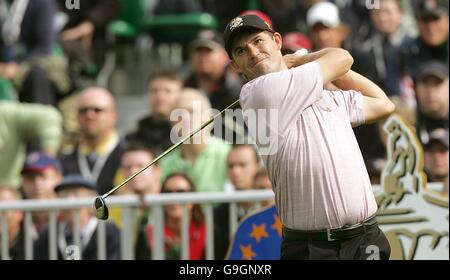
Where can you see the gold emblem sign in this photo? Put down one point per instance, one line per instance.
(413, 217)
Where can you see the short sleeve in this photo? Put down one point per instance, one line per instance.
(352, 102)
(289, 92)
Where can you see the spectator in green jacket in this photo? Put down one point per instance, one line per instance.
(20, 123)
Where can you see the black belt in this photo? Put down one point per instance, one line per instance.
(345, 232)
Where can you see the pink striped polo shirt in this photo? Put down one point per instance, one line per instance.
(315, 164)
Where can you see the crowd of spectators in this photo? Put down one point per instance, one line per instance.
(49, 53)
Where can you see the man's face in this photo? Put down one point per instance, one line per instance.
(192, 112)
(163, 95)
(327, 37)
(148, 181)
(242, 167)
(96, 114)
(388, 18)
(432, 96)
(434, 30)
(41, 185)
(209, 62)
(256, 54)
(436, 160)
(73, 193)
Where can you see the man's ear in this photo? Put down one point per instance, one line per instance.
(235, 66)
(278, 40)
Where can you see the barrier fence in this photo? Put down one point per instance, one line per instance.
(127, 204)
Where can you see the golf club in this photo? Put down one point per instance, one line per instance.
(101, 210)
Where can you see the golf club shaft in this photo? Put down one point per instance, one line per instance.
(168, 150)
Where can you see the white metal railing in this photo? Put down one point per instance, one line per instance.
(127, 203)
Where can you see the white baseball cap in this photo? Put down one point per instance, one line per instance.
(325, 12)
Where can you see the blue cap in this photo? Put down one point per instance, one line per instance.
(76, 180)
(37, 162)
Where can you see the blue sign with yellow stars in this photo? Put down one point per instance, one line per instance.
(258, 237)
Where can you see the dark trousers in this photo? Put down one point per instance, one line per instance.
(372, 245)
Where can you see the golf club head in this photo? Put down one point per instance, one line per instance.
(101, 210)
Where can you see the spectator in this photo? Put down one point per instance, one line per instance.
(213, 75)
(432, 44)
(436, 158)
(41, 174)
(378, 58)
(83, 37)
(26, 45)
(262, 182)
(203, 156)
(74, 186)
(97, 156)
(211, 70)
(20, 123)
(432, 88)
(134, 159)
(154, 130)
(14, 219)
(326, 27)
(242, 166)
(179, 183)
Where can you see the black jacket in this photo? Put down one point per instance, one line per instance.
(153, 133)
(106, 178)
(90, 252)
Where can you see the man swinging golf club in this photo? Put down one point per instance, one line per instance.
(322, 189)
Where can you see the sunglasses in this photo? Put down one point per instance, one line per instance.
(96, 110)
(174, 191)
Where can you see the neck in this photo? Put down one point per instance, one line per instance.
(94, 142)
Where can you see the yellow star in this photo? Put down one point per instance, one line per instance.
(277, 225)
(247, 253)
(259, 232)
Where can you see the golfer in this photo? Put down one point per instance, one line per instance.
(322, 189)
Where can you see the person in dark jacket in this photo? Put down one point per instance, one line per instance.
(83, 36)
(28, 38)
(154, 130)
(75, 186)
(97, 155)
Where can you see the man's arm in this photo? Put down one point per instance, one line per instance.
(41, 121)
(334, 62)
(376, 104)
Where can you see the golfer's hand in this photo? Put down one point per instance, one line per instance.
(298, 58)
(292, 60)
